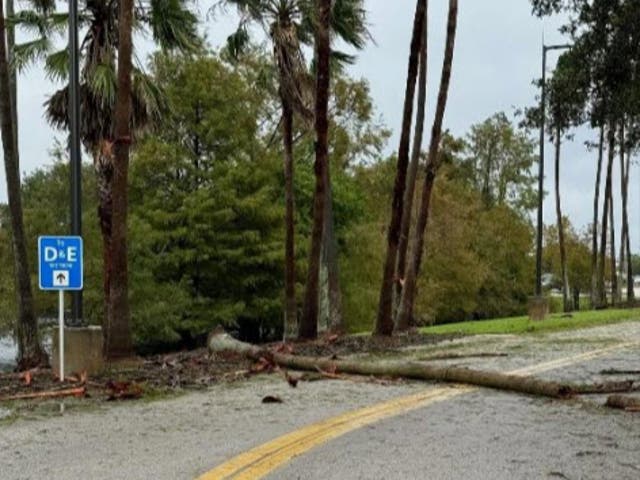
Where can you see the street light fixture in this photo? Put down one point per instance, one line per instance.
(74, 145)
(543, 98)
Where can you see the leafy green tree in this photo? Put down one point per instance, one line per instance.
(499, 161)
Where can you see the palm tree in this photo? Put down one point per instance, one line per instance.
(594, 231)
(289, 25)
(407, 301)
(384, 320)
(30, 352)
(602, 294)
(119, 339)
(566, 298)
(309, 322)
(173, 26)
(416, 152)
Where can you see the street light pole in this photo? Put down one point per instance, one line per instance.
(543, 104)
(74, 144)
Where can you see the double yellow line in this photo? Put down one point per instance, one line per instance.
(261, 460)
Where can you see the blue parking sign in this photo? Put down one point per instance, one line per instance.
(60, 262)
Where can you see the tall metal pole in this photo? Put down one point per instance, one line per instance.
(543, 104)
(74, 144)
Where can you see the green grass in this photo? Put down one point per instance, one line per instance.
(553, 323)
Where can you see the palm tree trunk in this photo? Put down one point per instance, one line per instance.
(407, 213)
(595, 295)
(566, 294)
(384, 320)
(409, 291)
(13, 75)
(625, 244)
(334, 320)
(612, 251)
(103, 166)
(602, 294)
(308, 327)
(30, 352)
(118, 342)
(291, 309)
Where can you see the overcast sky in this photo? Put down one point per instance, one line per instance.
(497, 57)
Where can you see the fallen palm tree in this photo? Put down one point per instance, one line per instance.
(622, 402)
(222, 343)
(67, 392)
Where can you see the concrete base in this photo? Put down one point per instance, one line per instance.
(538, 308)
(82, 350)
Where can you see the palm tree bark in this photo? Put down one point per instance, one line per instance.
(612, 251)
(625, 244)
(566, 298)
(290, 314)
(103, 166)
(13, 75)
(334, 322)
(118, 341)
(602, 294)
(410, 286)
(594, 232)
(30, 352)
(384, 321)
(407, 213)
(308, 327)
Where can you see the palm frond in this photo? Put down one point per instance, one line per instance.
(238, 42)
(173, 25)
(103, 83)
(149, 101)
(348, 21)
(56, 65)
(29, 52)
(30, 21)
(43, 6)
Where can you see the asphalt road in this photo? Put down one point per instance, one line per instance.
(480, 434)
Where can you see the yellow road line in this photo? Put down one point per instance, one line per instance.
(261, 460)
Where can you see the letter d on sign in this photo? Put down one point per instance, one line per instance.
(50, 254)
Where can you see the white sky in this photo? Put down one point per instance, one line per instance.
(497, 57)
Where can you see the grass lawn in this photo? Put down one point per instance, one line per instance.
(553, 323)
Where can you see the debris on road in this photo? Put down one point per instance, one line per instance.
(623, 402)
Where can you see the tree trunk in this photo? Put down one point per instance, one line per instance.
(291, 308)
(103, 166)
(407, 213)
(602, 293)
(333, 320)
(612, 250)
(405, 313)
(118, 342)
(30, 352)
(13, 77)
(625, 243)
(225, 344)
(595, 293)
(384, 320)
(308, 327)
(576, 299)
(630, 404)
(566, 299)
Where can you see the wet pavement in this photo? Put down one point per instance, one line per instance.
(482, 434)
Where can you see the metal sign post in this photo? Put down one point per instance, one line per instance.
(60, 268)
